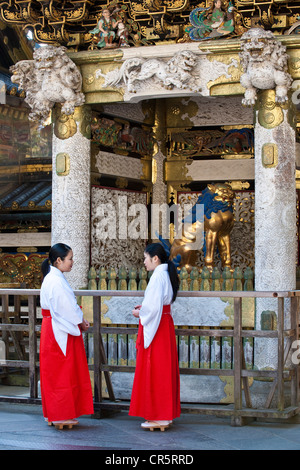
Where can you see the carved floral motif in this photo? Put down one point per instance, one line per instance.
(117, 250)
(121, 136)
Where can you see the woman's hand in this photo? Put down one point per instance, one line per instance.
(136, 312)
(84, 325)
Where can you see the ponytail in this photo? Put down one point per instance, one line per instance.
(174, 278)
(156, 249)
(45, 267)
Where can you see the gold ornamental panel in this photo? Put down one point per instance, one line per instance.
(270, 114)
(62, 164)
(146, 22)
(269, 155)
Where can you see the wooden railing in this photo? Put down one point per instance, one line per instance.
(285, 372)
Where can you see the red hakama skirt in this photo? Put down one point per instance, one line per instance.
(156, 386)
(65, 381)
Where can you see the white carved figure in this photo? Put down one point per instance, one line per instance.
(51, 77)
(264, 61)
(177, 72)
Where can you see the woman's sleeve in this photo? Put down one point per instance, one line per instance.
(64, 309)
(151, 309)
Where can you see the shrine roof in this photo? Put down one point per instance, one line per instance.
(27, 196)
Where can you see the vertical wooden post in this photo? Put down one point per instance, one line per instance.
(280, 326)
(99, 355)
(97, 333)
(237, 346)
(32, 346)
(19, 335)
(5, 319)
(295, 337)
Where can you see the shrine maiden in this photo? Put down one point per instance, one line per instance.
(65, 381)
(156, 388)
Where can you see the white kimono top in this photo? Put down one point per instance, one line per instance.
(57, 296)
(158, 293)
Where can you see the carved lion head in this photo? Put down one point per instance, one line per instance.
(223, 192)
(46, 57)
(184, 60)
(259, 45)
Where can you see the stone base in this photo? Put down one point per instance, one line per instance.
(204, 389)
(193, 389)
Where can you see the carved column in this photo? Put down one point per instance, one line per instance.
(275, 211)
(71, 189)
(159, 186)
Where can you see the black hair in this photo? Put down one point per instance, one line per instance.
(60, 250)
(156, 249)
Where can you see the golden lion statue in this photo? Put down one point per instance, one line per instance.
(218, 223)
